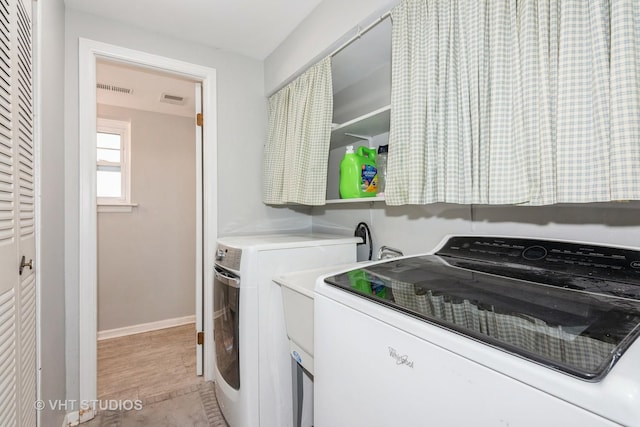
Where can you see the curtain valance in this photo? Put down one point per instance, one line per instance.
(297, 149)
(505, 101)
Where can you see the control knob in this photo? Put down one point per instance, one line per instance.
(534, 253)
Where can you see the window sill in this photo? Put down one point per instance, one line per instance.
(116, 207)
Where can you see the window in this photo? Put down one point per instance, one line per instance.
(113, 162)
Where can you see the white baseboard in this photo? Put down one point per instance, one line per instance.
(71, 419)
(145, 327)
(74, 418)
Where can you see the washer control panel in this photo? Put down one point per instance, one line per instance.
(229, 257)
(575, 258)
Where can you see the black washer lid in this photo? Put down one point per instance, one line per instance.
(577, 316)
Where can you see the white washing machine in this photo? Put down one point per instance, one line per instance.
(487, 331)
(253, 376)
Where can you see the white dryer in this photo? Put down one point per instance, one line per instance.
(253, 376)
(487, 331)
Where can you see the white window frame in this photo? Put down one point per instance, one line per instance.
(122, 128)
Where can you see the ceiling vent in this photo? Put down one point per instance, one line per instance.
(172, 99)
(116, 89)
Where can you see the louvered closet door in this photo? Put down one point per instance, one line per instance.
(23, 79)
(17, 236)
(8, 223)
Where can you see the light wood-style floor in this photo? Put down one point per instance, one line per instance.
(151, 366)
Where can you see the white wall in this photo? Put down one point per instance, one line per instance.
(146, 257)
(241, 136)
(49, 89)
(418, 229)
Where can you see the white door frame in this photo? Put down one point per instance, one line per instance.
(89, 51)
(199, 303)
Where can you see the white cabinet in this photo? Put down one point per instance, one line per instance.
(362, 97)
(374, 125)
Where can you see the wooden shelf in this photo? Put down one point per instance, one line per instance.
(370, 124)
(356, 200)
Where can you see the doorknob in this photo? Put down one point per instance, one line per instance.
(24, 264)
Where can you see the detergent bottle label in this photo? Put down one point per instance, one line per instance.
(369, 179)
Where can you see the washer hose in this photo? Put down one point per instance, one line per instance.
(363, 231)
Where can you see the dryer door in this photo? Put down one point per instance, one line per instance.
(226, 317)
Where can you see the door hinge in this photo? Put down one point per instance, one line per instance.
(199, 119)
(200, 338)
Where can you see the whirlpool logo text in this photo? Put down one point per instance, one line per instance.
(400, 359)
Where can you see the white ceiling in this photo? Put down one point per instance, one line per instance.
(147, 86)
(249, 27)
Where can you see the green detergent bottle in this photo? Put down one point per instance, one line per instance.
(358, 280)
(358, 173)
(365, 284)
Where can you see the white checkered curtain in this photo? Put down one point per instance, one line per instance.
(515, 102)
(297, 149)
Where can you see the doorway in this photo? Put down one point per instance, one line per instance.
(89, 52)
(146, 196)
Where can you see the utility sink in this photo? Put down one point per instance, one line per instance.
(297, 298)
